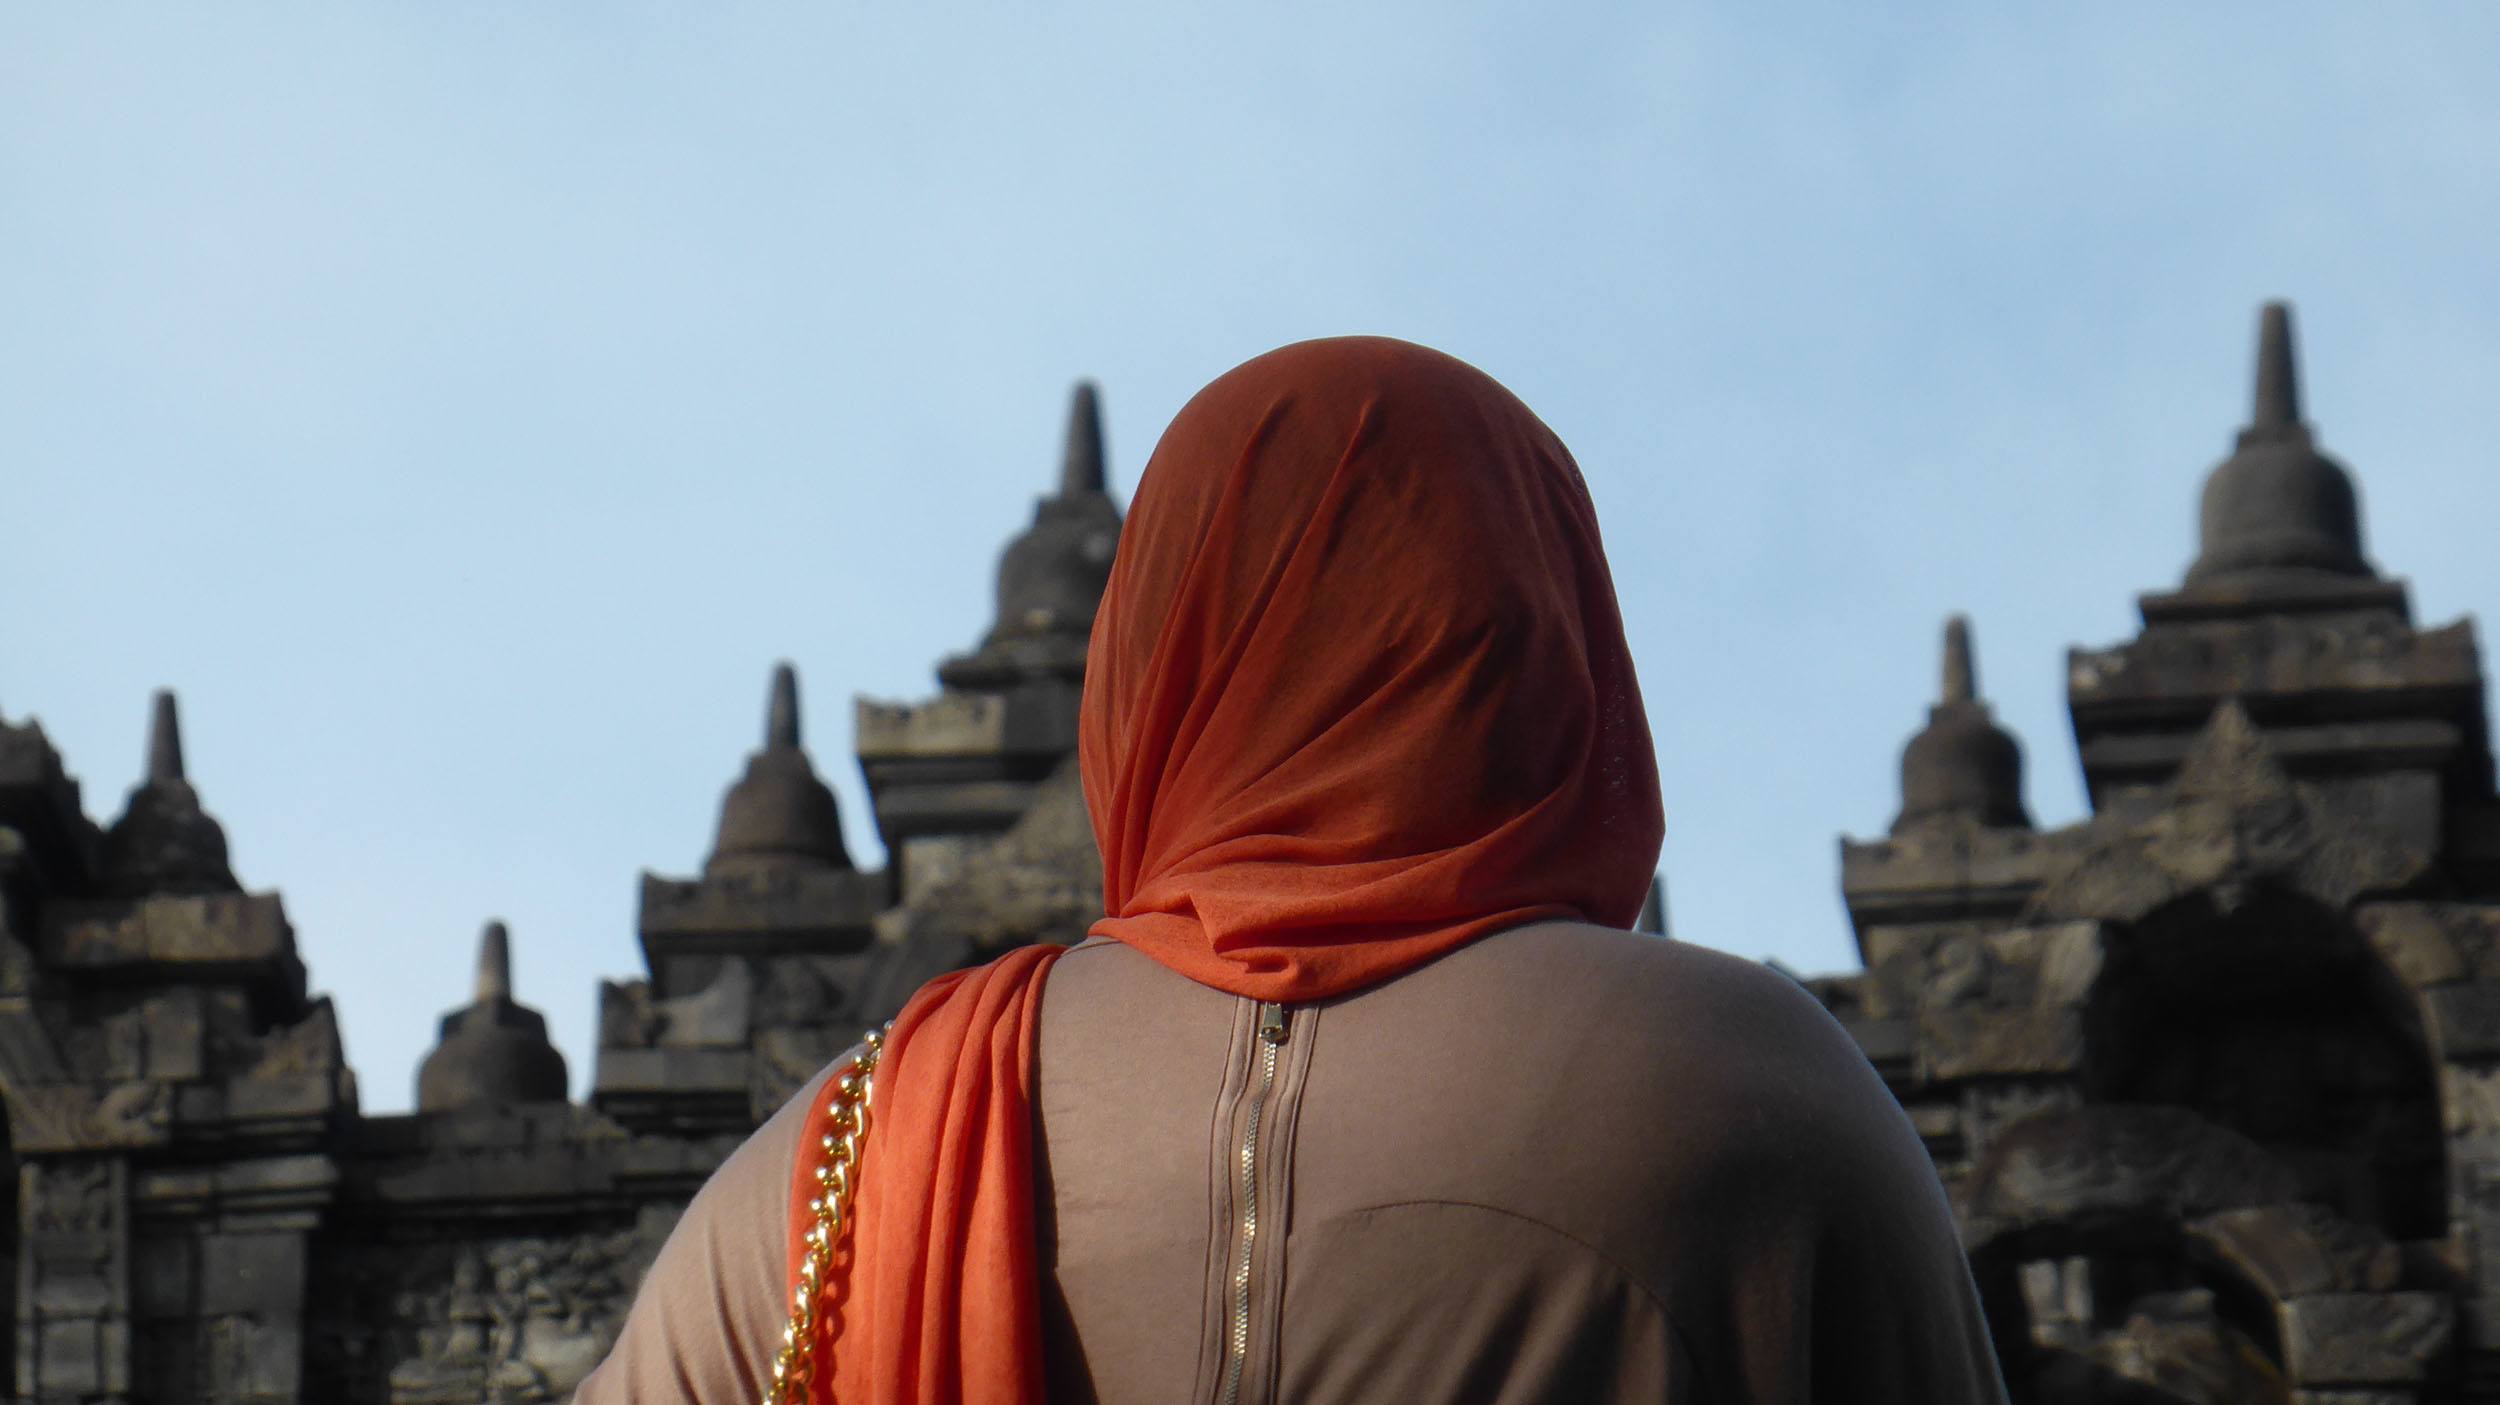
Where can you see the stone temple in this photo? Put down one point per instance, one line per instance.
(2212, 1077)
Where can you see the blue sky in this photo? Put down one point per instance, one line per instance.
(463, 405)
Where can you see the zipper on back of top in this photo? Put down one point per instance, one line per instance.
(1275, 1023)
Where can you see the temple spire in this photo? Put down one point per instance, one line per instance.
(493, 1051)
(1961, 766)
(781, 720)
(2278, 376)
(1080, 465)
(779, 816)
(1961, 676)
(2277, 513)
(1051, 576)
(165, 740)
(494, 965)
(164, 843)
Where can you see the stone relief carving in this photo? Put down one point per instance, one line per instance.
(310, 1045)
(2229, 819)
(89, 1117)
(2064, 1165)
(2274, 654)
(71, 1197)
(628, 1018)
(487, 1322)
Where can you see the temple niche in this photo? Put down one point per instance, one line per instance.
(2209, 1074)
(2212, 1077)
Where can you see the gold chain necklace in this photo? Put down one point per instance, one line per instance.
(846, 1109)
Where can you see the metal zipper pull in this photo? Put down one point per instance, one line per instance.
(1275, 1022)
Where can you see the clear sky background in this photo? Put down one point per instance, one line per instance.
(463, 405)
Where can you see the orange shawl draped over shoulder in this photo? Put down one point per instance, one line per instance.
(1357, 695)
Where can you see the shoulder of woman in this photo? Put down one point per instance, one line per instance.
(1719, 1041)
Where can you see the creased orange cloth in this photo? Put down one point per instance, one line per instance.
(1358, 694)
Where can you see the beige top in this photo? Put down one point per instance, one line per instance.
(1562, 1163)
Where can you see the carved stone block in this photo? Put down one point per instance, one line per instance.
(787, 1058)
(515, 1318)
(1956, 1044)
(817, 909)
(73, 1278)
(2470, 1100)
(2296, 1250)
(2062, 1167)
(87, 1117)
(71, 1355)
(1885, 1042)
(2414, 940)
(259, 1274)
(164, 1272)
(1989, 1108)
(2364, 1339)
(214, 929)
(2464, 1021)
(2069, 959)
(2475, 929)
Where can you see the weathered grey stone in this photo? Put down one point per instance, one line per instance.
(2151, 1163)
(2475, 929)
(829, 908)
(1946, 870)
(494, 1050)
(779, 817)
(2414, 940)
(2470, 1100)
(2010, 1043)
(1990, 1106)
(218, 929)
(2069, 958)
(720, 1016)
(2464, 1021)
(2361, 1339)
(487, 1317)
(1041, 881)
(2230, 819)
(164, 842)
(1885, 1042)
(69, 1117)
(261, 1274)
(786, 1058)
(1961, 766)
(2296, 1250)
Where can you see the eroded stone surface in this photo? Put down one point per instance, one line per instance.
(2262, 1161)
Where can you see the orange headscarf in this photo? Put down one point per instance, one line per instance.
(1358, 694)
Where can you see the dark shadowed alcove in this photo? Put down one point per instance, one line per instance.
(2266, 1013)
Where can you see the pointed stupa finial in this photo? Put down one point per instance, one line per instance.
(164, 843)
(2276, 510)
(781, 715)
(1051, 576)
(494, 964)
(1961, 765)
(2278, 372)
(1961, 675)
(1080, 464)
(494, 1050)
(165, 740)
(779, 815)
